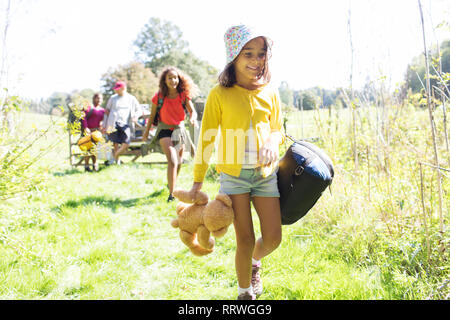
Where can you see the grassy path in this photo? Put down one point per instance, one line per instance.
(107, 235)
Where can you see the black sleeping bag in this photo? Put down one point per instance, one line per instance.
(305, 171)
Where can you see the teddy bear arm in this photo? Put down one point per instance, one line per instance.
(220, 233)
(204, 237)
(190, 240)
(200, 251)
(187, 238)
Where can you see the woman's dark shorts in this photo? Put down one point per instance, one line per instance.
(165, 133)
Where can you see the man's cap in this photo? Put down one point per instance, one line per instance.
(120, 84)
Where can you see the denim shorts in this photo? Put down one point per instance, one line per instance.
(250, 181)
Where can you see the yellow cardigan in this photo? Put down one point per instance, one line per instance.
(231, 109)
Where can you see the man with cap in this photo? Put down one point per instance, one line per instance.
(120, 113)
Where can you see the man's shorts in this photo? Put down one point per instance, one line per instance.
(122, 134)
(250, 181)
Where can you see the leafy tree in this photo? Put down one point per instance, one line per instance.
(305, 99)
(86, 93)
(141, 81)
(157, 40)
(59, 99)
(41, 106)
(286, 93)
(445, 52)
(309, 98)
(328, 97)
(161, 44)
(202, 73)
(83, 97)
(368, 91)
(63, 99)
(415, 72)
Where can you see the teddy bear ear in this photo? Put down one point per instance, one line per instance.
(225, 199)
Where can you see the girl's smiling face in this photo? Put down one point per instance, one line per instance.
(172, 80)
(249, 64)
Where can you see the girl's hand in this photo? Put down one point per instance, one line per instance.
(197, 186)
(269, 152)
(192, 113)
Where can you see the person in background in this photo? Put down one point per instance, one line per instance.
(176, 89)
(247, 110)
(121, 111)
(92, 121)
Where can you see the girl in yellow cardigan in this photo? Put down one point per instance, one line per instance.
(244, 110)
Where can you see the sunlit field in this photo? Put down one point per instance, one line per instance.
(107, 235)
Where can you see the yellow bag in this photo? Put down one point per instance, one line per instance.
(87, 142)
(97, 136)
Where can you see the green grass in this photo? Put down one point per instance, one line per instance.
(107, 235)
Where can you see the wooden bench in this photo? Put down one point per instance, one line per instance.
(137, 148)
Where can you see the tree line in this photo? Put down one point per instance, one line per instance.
(160, 43)
(413, 84)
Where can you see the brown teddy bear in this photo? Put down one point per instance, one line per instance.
(198, 218)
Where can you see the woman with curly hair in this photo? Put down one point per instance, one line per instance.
(176, 91)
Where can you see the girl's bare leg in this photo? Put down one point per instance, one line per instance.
(180, 160)
(268, 210)
(172, 161)
(245, 238)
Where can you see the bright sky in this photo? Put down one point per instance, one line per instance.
(55, 45)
